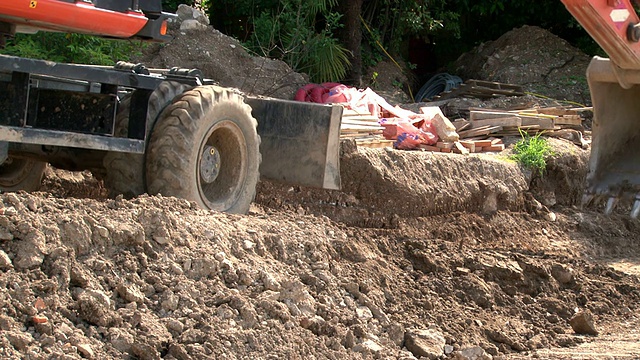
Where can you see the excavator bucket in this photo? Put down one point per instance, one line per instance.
(614, 166)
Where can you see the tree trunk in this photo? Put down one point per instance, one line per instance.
(352, 38)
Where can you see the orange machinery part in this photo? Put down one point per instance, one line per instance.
(78, 17)
(607, 22)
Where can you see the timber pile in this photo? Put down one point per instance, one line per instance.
(482, 90)
(363, 128)
(481, 133)
(466, 146)
(553, 121)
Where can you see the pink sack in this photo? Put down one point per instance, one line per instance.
(407, 135)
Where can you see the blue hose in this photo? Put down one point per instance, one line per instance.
(437, 84)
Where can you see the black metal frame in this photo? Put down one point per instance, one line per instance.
(65, 105)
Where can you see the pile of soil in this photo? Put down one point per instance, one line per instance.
(534, 58)
(224, 60)
(421, 255)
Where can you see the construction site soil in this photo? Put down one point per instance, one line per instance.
(419, 255)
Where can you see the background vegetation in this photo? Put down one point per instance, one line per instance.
(334, 40)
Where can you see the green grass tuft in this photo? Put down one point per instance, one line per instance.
(532, 152)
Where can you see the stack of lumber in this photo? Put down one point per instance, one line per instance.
(482, 90)
(491, 122)
(467, 146)
(363, 128)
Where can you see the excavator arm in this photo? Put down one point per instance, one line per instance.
(614, 164)
(141, 19)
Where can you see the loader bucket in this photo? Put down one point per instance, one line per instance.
(614, 165)
(300, 142)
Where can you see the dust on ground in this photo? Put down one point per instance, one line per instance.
(420, 255)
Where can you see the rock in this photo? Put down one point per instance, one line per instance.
(582, 323)
(130, 293)
(5, 261)
(95, 307)
(364, 313)
(428, 343)
(175, 325)
(396, 333)
(186, 12)
(444, 128)
(145, 351)
(368, 346)
(550, 216)
(563, 274)
(19, 340)
(472, 353)
(170, 302)
(102, 231)
(192, 25)
(85, 350)
(29, 259)
(5, 235)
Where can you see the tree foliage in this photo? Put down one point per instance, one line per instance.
(300, 32)
(71, 48)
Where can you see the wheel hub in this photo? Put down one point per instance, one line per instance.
(210, 164)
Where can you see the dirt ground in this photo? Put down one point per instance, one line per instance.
(420, 255)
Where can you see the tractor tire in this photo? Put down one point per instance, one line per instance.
(125, 171)
(21, 174)
(205, 148)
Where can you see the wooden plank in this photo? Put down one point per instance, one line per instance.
(460, 149)
(360, 122)
(480, 131)
(542, 123)
(482, 143)
(500, 121)
(350, 112)
(573, 120)
(469, 145)
(445, 150)
(429, 148)
(444, 145)
(498, 147)
(359, 127)
(481, 115)
(360, 118)
(461, 124)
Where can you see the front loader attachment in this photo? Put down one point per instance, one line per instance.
(300, 142)
(614, 167)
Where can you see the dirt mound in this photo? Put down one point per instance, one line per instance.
(534, 58)
(224, 60)
(155, 278)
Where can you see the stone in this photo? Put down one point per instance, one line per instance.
(130, 293)
(85, 350)
(364, 313)
(550, 216)
(563, 274)
(19, 340)
(5, 261)
(428, 343)
(368, 346)
(472, 353)
(582, 323)
(192, 25)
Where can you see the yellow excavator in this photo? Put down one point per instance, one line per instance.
(614, 165)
